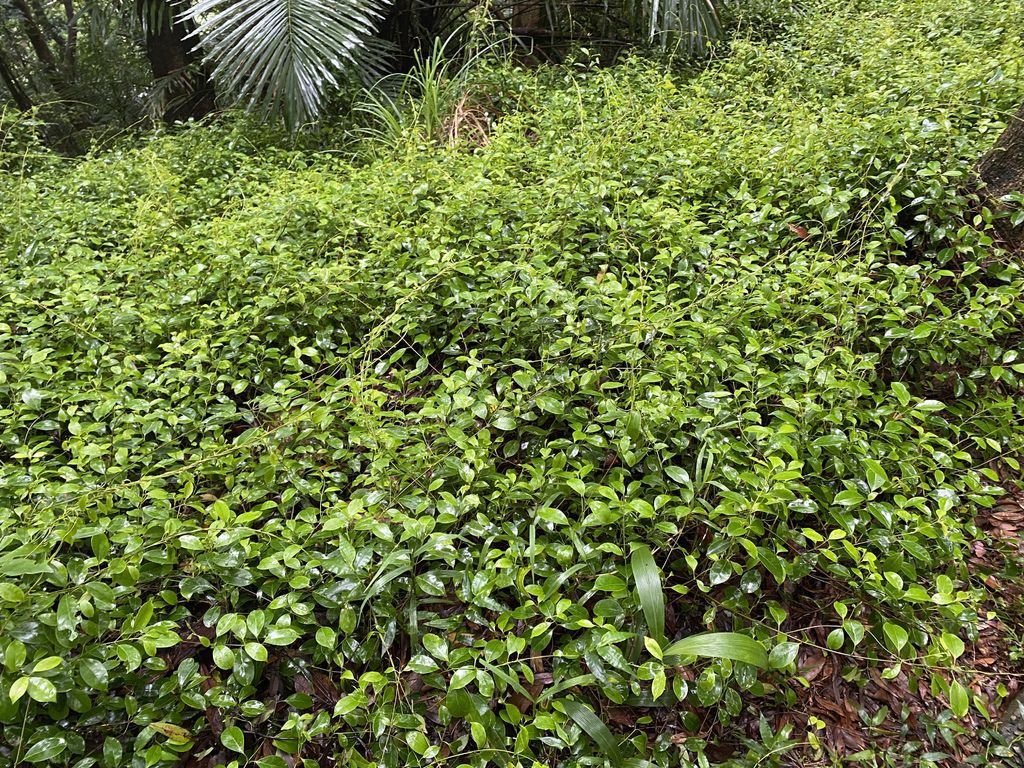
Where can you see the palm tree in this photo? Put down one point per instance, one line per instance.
(283, 55)
(688, 25)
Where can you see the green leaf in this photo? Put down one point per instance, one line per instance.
(896, 635)
(772, 563)
(281, 636)
(650, 594)
(479, 734)
(417, 742)
(349, 703)
(959, 699)
(42, 690)
(592, 725)
(876, 475)
(232, 738)
(11, 593)
(422, 664)
(461, 678)
(45, 665)
(835, 640)
(848, 498)
(721, 571)
(854, 630)
(143, 617)
(112, 751)
(658, 684)
(256, 651)
(653, 648)
(505, 423)
(721, 645)
(100, 546)
(901, 392)
(18, 688)
(783, 655)
(953, 644)
(678, 474)
(435, 645)
(129, 654)
(15, 655)
(223, 656)
(46, 750)
(550, 404)
(326, 638)
(552, 515)
(93, 673)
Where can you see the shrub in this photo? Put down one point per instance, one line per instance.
(360, 461)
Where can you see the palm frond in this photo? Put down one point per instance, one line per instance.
(283, 55)
(171, 91)
(689, 25)
(154, 14)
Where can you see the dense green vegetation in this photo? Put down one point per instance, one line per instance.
(423, 452)
(93, 68)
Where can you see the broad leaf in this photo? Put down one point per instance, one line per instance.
(592, 725)
(721, 645)
(647, 578)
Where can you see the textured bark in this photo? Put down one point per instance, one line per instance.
(171, 56)
(1002, 171)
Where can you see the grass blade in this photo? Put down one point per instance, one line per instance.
(647, 578)
(592, 725)
(721, 645)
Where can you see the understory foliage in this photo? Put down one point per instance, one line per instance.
(358, 459)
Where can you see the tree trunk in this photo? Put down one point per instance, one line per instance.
(21, 98)
(71, 38)
(47, 26)
(38, 40)
(188, 87)
(1002, 171)
(410, 25)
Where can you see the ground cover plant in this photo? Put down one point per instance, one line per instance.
(416, 454)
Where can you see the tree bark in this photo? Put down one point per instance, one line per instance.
(36, 37)
(1002, 168)
(70, 38)
(1002, 171)
(170, 55)
(47, 26)
(20, 96)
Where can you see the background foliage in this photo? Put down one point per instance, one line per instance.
(420, 453)
(91, 67)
